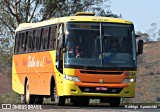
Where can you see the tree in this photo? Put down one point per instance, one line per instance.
(143, 36)
(5, 56)
(14, 12)
(153, 33)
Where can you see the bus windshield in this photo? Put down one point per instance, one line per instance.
(102, 45)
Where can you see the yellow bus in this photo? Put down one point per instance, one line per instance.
(79, 57)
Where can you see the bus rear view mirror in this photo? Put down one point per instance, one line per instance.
(140, 47)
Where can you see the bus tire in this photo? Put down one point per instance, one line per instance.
(29, 99)
(52, 89)
(115, 102)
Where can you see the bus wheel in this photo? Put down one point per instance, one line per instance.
(59, 100)
(115, 102)
(29, 99)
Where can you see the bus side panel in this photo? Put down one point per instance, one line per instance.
(39, 83)
(38, 68)
(17, 84)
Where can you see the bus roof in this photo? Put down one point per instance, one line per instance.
(25, 26)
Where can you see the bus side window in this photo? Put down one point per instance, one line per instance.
(45, 38)
(35, 39)
(29, 41)
(19, 39)
(52, 37)
(38, 37)
(24, 42)
(16, 44)
(20, 43)
(42, 39)
(48, 37)
(32, 41)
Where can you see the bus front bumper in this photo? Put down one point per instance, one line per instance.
(98, 90)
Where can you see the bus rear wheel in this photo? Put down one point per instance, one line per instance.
(31, 99)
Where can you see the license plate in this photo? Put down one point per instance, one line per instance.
(101, 89)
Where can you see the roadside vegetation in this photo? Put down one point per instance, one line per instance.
(11, 97)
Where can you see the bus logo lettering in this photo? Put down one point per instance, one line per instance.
(32, 62)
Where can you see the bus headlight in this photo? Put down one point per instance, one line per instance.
(129, 80)
(71, 78)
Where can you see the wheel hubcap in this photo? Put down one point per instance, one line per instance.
(27, 94)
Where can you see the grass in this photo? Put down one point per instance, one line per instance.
(11, 97)
(47, 101)
(14, 97)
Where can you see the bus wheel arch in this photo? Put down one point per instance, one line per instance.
(23, 96)
(52, 88)
(27, 97)
(59, 100)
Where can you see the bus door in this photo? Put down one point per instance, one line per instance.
(60, 46)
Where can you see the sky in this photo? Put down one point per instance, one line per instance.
(141, 12)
